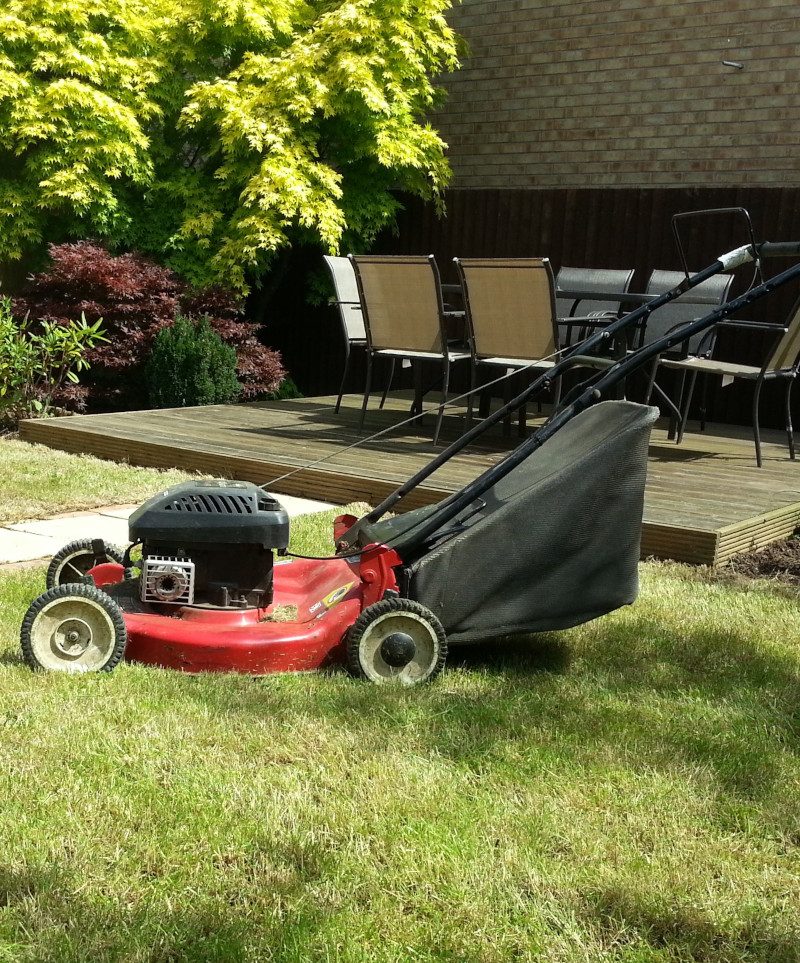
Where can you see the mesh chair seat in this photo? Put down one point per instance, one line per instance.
(511, 316)
(710, 366)
(598, 280)
(781, 364)
(453, 355)
(518, 362)
(405, 318)
(348, 302)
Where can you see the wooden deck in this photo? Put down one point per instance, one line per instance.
(705, 500)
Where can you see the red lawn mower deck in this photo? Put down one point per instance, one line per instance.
(207, 595)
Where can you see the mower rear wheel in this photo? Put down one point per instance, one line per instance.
(73, 628)
(397, 641)
(71, 563)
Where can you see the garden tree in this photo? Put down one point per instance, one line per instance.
(216, 132)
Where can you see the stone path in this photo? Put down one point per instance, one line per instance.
(29, 541)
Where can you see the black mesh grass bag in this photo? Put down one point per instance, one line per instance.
(558, 541)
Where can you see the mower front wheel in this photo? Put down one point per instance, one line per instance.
(71, 563)
(396, 641)
(73, 628)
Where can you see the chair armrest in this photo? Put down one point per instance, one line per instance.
(587, 322)
(752, 325)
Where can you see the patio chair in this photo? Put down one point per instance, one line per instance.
(404, 316)
(712, 293)
(511, 315)
(597, 280)
(352, 317)
(700, 300)
(781, 365)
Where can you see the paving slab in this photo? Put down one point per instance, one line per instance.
(302, 506)
(42, 538)
(117, 511)
(25, 546)
(69, 528)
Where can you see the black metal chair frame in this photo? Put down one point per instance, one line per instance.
(349, 341)
(764, 375)
(448, 355)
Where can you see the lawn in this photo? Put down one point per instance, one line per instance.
(37, 481)
(628, 790)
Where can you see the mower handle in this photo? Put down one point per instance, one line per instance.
(779, 249)
(415, 536)
(600, 337)
(725, 262)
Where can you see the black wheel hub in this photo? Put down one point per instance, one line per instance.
(398, 649)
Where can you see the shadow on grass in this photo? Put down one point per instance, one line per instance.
(687, 932)
(636, 690)
(50, 917)
(535, 653)
(265, 908)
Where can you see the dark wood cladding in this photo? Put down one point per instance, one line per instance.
(615, 228)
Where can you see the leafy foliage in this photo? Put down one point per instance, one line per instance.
(136, 299)
(190, 365)
(216, 131)
(36, 364)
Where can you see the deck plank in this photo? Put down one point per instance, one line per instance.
(705, 500)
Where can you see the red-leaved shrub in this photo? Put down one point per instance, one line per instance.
(136, 298)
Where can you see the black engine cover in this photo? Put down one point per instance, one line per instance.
(211, 512)
(227, 530)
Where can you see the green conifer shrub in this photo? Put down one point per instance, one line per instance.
(191, 365)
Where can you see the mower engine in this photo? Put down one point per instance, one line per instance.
(210, 544)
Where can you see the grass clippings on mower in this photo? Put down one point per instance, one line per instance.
(282, 613)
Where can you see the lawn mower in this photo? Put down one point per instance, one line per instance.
(546, 539)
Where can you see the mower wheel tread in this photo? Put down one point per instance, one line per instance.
(384, 607)
(82, 546)
(92, 594)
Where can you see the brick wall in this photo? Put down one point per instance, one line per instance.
(613, 93)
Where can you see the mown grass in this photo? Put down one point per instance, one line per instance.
(624, 791)
(36, 481)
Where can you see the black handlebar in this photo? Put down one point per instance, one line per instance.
(779, 249)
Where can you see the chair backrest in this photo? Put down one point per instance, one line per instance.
(510, 305)
(346, 286)
(605, 280)
(402, 300)
(787, 351)
(713, 292)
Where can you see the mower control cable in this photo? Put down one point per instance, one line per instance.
(725, 262)
(729, 261)
(541, 383)
(421, 414)
(582, 347)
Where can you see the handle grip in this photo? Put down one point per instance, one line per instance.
(779, 249)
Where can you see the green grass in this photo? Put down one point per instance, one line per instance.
(626, 791)
(37, 481)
